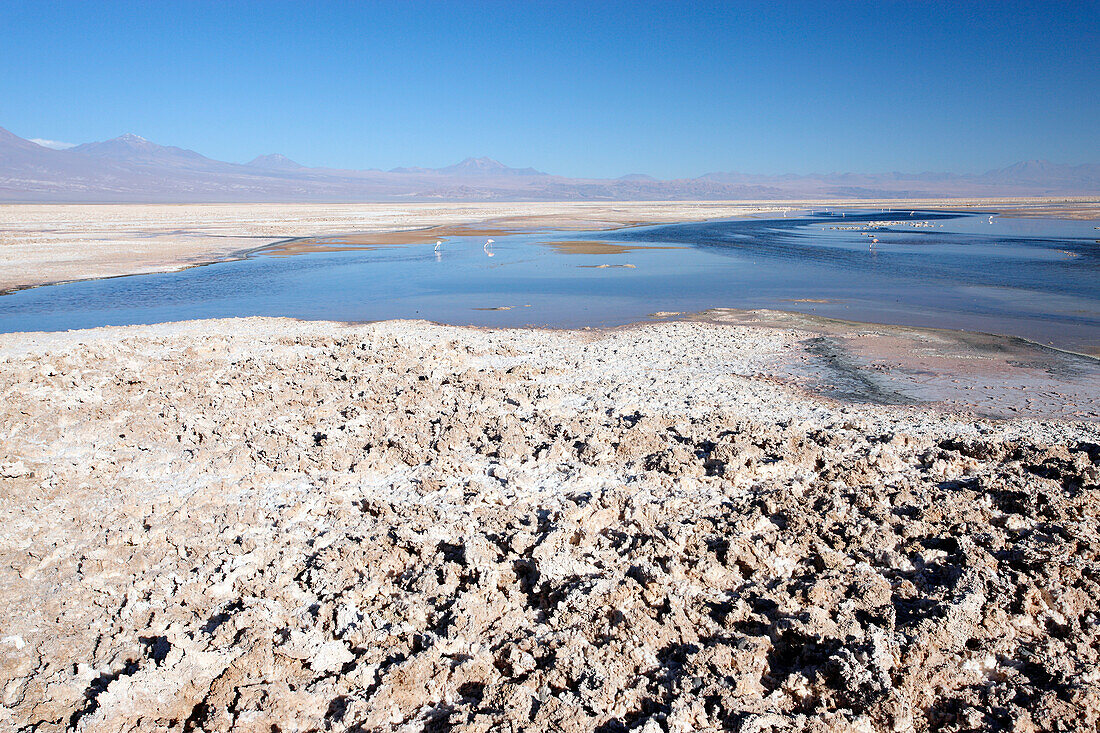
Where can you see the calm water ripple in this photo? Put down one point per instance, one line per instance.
(1036, 278)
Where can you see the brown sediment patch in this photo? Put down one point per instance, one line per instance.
(377, 240)
(297, 247)
(594, 247)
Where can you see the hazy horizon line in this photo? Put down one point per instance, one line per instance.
(58, 145)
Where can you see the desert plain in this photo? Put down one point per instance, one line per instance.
(722, 521)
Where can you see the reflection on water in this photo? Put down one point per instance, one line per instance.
(1036, 278)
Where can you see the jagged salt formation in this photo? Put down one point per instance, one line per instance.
(247, 524)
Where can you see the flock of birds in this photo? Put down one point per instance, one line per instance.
(874, 240)
(488, 247)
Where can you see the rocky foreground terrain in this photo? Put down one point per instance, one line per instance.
(268, 525)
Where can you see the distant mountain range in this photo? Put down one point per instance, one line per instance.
(132, 169)
(275, 162)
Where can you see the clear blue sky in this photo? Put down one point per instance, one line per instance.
(576, 88)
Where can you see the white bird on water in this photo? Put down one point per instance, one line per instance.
(488, 247)
(438, 243)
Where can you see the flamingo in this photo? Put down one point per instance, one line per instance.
(438, 243)
(488, 247)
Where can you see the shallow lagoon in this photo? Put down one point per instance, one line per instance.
(1035, 278)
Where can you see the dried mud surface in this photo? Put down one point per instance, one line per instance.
(269, 525)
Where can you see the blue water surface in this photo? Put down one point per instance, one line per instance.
(1035, 278)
